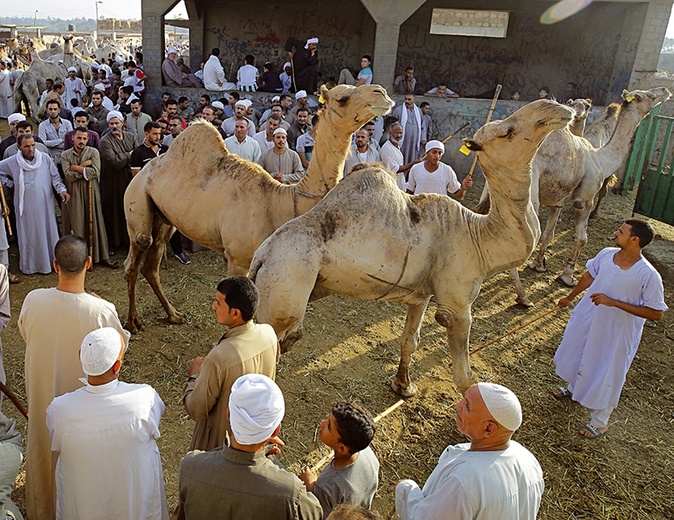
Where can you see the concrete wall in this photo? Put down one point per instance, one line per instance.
(345, 29)
(595, 49)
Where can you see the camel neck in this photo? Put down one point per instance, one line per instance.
(613, 153)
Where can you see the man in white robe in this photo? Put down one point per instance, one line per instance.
(53, 322)
(410, 117)
(105, 434)
(242, 144)
(490, 478)
(393, 158)
(605, 328)
(34, 175)
(214, 74)
(75, 88)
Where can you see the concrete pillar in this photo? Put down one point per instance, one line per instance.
(389, 15)
(197, 27)
(153, 12)
(650, 44)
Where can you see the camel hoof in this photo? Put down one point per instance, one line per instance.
(177, 319)
(408, 391)
(524, 302)
(133, 325)
(567, 280)
(537, 266)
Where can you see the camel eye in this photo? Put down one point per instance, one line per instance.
(508, 133)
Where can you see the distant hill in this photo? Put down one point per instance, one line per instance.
(52, 24)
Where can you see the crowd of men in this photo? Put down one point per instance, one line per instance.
(92, 438)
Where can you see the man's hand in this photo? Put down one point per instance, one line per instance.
(65, 197)
(86, 164)
(278, 176)
(276, 445)
(291, 54)
(195, 366)
(184, 75)
(564, 302)
(309, 478)
(5, 211)
(467, 183)
(602, 299)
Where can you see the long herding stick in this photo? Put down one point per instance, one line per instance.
(5, 210)
(491, 111)
(91, 218)
(19, 405)
(448, 137)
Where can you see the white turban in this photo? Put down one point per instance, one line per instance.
(280, 130)
(434, 144)
(114, 114)
(99, 86)
(310, 40)
(503, 405)
(275, 99)
(286, 64)
(245, 103)
(218, 104)
(171, 50)
(16, 117)
(72, 69)
(99, 350)
(256, 408)
(95, 65)
(301, 94)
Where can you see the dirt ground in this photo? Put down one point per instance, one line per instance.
(350, 351)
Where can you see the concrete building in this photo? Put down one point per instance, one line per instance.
(606, 47)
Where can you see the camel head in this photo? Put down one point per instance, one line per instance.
(513, 142)
(349, 108)
(581, 107)
(645, 100)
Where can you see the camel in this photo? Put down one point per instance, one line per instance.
(567, 168)
(226, 203)
(599, 134)
(369, 240)
(581, 107)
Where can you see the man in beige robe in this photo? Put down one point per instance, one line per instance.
(81, 167)
(53, 323)
(281, 162)
(245, 348)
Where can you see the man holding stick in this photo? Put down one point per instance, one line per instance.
(433, 176)
(84, 214)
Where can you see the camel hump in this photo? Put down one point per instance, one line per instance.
(200, 141)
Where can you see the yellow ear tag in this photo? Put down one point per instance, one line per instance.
(629, 99)
(321, 100)
(464, 150)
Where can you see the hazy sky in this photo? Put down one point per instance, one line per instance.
(122, 9)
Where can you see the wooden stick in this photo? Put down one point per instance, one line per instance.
(5, 210)
(448, 137)
(489, 114)
(512, 331)
(292, 70)
(91, 220)
(378, 418)
(19, 405)
(391, 512)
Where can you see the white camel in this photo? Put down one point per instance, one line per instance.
(369, 240)
(227, 203)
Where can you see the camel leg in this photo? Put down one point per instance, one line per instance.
(582, 210)
(522, 298)
(458, 330)
(600, 195)
(150, 270)
(538, 263)
(131, 265)
(402, 384)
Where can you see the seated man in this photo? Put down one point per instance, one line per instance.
(239, 481)
(490, 477)
(433, 176)
(441, 91)
(174, 75)
(281, 162)
(353, 475)
(105, 434)
(11, 455)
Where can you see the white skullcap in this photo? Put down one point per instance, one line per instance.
(312, 40)
(95, 65)
(99, 351)
(286, 64)
(280, 130)
(99, 86)
(434, 144)
(301, 94)
(503, 405)
(16, 117)
(114, 114)
(256, 408)
(171, 50)
(275, 99)
(72, 69)
(218, 104)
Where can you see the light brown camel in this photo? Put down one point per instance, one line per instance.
(226, 203)
(569, 169)
(369, 240)
(598, 134)
(582, 109)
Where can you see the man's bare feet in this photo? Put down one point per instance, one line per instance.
(591, 432)
(14, 278)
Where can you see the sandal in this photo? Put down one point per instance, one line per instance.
(594, 431)
(561, 393)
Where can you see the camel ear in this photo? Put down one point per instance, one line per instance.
(625, 93)
(324, 93)
(472, 145)
(639, 96)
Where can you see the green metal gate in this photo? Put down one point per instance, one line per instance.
(650, 166)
